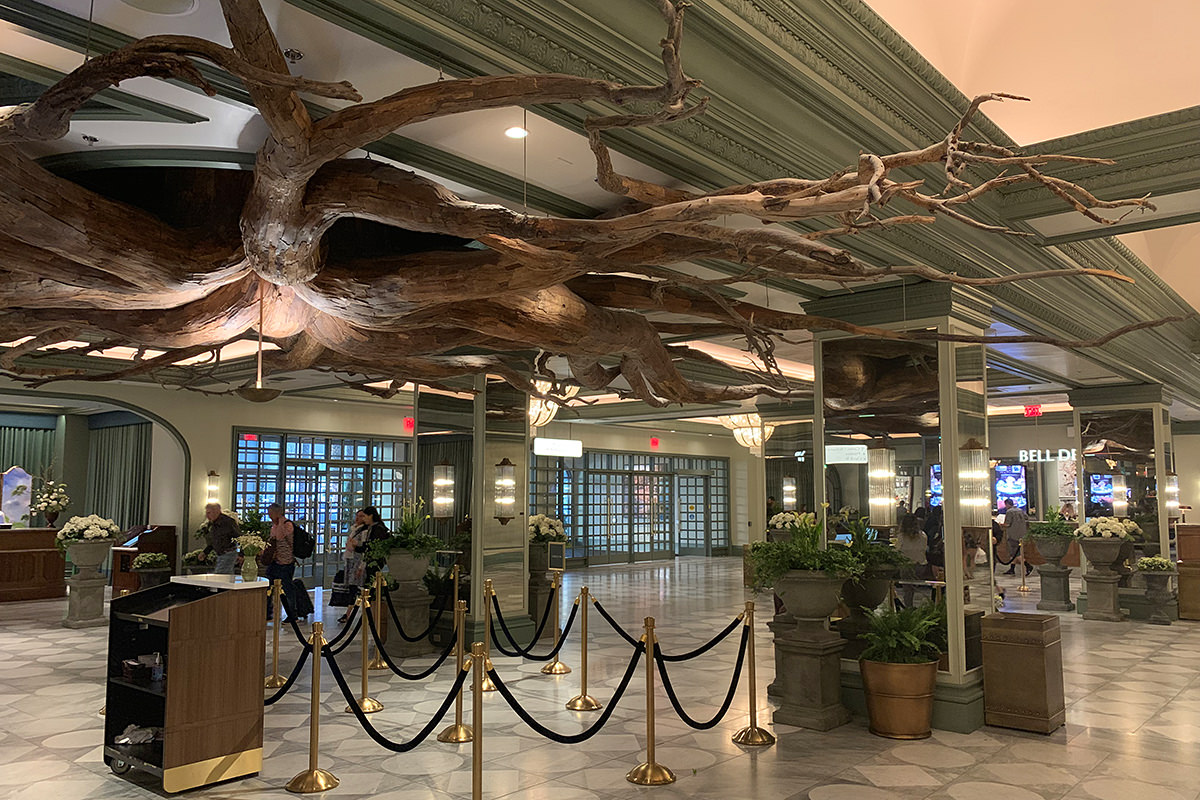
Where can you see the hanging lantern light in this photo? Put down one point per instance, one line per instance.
(1172, 490)
(881, 484)
(748, 429)
(505, 489)
(1120, 496)
(443, 490)
(974, 491)
(542, 411)
(789, 493)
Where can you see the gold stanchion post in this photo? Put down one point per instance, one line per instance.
(489, 592)
(650, 773)
(377, 662)
(313, 779)
(752, 734)
(366, 703)
(458, 733)
(1023, 589)
(556, 667)
(479, 662)
(275, 680)
(583, 701)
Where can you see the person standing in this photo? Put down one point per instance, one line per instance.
(912, 542)
(1016, 526)
(283, 567)
(356, 551)
(222, 530)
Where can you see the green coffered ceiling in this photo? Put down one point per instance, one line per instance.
(797, 89)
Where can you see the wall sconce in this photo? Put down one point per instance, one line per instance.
(974, 491)
(543, 411)
(213, 487)
(789, 493)
(443, 490)
(1120, 496)
(505, 490)
(748, 429)
(881, 485)
(1172, 489)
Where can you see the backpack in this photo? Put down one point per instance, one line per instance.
(303, 543)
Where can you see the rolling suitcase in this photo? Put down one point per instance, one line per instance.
(302, 599)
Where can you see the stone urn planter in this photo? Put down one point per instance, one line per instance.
(862, 595)
(1159, 595)
(1120, 564)
(1054, 577)
(404, 566)
(1103, 596)
(409, 601)
(810, 596)
(149, 578)
(899, 698)
(539, 558)
(85, 601)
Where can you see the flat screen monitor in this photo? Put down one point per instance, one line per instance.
(935, 485)
(1100, 489)
(1011, 485)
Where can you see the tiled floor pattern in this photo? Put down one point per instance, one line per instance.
(1133, 719)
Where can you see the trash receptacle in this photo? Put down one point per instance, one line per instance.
(1022, 672)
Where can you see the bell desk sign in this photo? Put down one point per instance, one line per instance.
(1061, 454)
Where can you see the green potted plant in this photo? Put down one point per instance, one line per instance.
(1157, 571)
(1052, 538)
(899, 672)
(806, 578)
(198, 560)
(406, 550)
(880, 567)
(153, 569)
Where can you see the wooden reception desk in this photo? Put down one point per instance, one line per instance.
(31, 568)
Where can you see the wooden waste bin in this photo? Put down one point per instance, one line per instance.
(1189, 590)
(1022, 672)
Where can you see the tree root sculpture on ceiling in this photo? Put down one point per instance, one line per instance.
(80, 265)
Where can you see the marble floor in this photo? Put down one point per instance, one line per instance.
(1133, 718)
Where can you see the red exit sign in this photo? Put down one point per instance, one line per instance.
(1033, 411)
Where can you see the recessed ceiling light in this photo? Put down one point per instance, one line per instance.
(516, 132)
(166, 8)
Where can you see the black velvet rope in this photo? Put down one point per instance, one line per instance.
(304, 654)
(612, 622)
(345, 640)
(410, 676)
(380, 739)
(525, 652)
(1011, 558)
(498, 615)
(584, 735)
(350, 620)
(704, 648)
(733, 685)
(428, 631)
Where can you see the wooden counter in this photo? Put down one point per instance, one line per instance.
(31, 568)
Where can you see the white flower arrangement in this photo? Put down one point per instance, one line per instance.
(1154, 564)
(250, 544)
(792, 519)
(91, 528)
(546, 529)
(51, 497)
(1108, 528)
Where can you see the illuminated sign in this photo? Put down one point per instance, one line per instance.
(846, 454)
(564, 448)
(1033, 411)
(654, 442)
(1061, 454)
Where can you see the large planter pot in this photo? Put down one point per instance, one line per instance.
(404, 566)
(1159, 595)
(88, 556)
(862, 595)
(1102, 554)
(149, 578)
(539, 558)
(197, 569)
(1053, 548)
(1054, 577)
(810, 596)
(1102, 591)
(899, 698)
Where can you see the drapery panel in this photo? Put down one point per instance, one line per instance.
(119, 474)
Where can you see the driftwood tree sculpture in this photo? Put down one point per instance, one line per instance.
(78, 264)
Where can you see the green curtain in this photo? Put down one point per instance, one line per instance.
(119, 474)
(31, 448)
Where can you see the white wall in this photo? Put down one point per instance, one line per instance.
(1187, 467)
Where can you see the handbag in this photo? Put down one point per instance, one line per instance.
(267, 557)
(343, 594)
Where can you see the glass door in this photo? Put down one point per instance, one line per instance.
(693, 516)
(608, 518)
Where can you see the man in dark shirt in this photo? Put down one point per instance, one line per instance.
(222, 530)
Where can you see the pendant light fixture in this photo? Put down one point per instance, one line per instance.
(256, 393)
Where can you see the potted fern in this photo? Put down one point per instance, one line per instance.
(899, 672)
(864, 591)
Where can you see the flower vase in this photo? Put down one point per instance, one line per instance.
(249, 569)
(51, 517)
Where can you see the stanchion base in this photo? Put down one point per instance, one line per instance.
(1024, 589)
(488, 686)
(556, 667)
(650, 774)
(103, 710)
(312, 781)
(377, 663)
(754, 736)
(456, 734)
(368, 705)
(275, 681)
(584, 702)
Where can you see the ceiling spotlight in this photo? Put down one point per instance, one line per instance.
(516, 132)
(293, 55)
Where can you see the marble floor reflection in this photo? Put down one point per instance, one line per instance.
(1133, 717)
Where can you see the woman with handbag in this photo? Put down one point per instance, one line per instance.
(355, 555)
